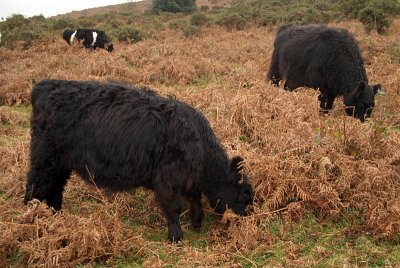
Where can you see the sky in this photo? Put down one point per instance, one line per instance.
(49, 8)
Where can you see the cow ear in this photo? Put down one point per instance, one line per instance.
(236, 164)
(377, 88)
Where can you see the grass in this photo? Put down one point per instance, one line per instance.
(15, 259)
(14, 124)
(310, 242)
(325, 245)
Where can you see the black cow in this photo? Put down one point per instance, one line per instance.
(326, 58)
(124, 137)
(91, 38)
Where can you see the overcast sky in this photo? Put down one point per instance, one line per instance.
(48, 8)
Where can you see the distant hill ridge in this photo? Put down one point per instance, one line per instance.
(134, 7)
(131, 7)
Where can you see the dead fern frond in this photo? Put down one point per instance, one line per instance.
(278, 196)
(301, 193)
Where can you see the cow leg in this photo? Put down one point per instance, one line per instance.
(170, 201)
(329, 102)
(326, 102)
(322, 98)
(86, 43)
(273, 73)
(47, 176)
(196, 210)
(54, 199)
(47, 183)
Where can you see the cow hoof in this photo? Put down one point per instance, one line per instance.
(197, 220)
(175, 235)
(175, 238)
(196, 226)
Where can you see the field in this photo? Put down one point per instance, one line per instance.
(327, 191)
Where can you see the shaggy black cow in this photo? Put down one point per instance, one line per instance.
(124, 137)
(325, 58)
(91, 38)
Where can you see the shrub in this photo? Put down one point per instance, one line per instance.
(63, 23)
(20, 30)
(173, 6)
(388, 7)
(373, 19)
(178, 24)
(266, 18)
(232, 21)
(352, 8)
(86, 22)
(199, 19)
(204, 8)
(191, 30)
(374, 14)
(216, 10)
(128, 33)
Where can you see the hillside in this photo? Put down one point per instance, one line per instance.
(133, 7)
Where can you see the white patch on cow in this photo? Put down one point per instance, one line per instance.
(72, 38)
(94, 38)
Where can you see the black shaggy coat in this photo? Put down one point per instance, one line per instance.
(326, 58)
(123, 137)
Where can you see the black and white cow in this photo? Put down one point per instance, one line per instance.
(91, 38)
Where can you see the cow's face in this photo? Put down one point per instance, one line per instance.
(109, 47)
(362, 101)
(238, 193)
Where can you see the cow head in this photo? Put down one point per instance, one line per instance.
(109, 47)
(361, 100)
(235, 194)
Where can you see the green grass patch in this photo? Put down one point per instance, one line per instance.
(320, 244)
(25, 109)
(15, 259)
(202, 80)
(10, 140)
(16, 115)
(134, 262)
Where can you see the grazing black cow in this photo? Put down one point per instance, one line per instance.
(326, 58)
(91, 38)
(124, 137)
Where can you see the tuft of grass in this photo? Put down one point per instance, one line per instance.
(15, 259)
(202, 80)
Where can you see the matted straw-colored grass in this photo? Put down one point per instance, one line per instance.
(300, 161)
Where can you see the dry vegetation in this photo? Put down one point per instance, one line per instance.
(317, 177)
